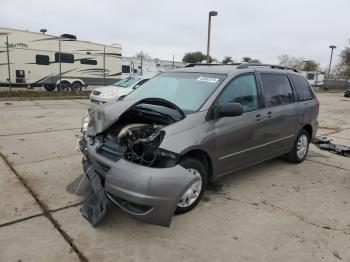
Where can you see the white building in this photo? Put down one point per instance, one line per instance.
(148, 67)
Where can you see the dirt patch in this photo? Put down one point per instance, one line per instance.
(28, 95)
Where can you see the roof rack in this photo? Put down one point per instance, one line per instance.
(199, 64)
(247, 65)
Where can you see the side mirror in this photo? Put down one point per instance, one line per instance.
(136, 86)
(229, 109)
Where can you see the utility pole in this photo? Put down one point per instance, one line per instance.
(330, 64)
(8, 61)
(59, 63)
(104, 66)
(141, 65)
(173, 61)
(211, 13)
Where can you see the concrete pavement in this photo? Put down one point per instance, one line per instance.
(274, 211)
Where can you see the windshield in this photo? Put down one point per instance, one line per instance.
(188, 91)
(127, 82)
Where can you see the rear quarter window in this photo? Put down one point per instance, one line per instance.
(302, 88)
(277, 89)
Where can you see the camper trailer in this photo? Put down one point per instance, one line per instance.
(314, 78)
(29, 59)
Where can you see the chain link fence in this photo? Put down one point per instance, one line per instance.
(341, 82)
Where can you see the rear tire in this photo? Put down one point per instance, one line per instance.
(76, 86)
(300, 148)
(49, 88)
(64, 86)
(196, 168)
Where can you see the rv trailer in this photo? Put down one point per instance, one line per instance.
(314, 78)
(30, 59)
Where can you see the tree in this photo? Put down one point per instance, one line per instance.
(343, 66)
(255, 61)
(142, 55)
(247, 59)
(310, 65)
(345, 56)
(295, 62)
(195, 57)
(227, 59)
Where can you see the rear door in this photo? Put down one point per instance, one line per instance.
(238, 139)
(307, 102)
(281, 113)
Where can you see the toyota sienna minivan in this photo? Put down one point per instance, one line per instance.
(154, 152)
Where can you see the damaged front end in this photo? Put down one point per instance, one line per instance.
(121, 147)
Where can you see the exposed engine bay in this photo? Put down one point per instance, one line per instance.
(141, 141)
(137, 134)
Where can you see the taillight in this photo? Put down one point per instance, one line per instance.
(317, 102)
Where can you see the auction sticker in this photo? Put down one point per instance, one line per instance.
(207, 79)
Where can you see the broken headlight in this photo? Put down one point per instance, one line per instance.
(166, 158)
(84, 123)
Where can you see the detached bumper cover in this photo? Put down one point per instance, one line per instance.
(144, 193)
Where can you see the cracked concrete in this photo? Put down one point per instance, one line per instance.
(274, 211)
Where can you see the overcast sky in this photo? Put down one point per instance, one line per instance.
(262, 29)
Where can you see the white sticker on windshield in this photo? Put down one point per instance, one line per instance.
(207, 79)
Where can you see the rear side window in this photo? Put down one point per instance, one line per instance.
(302, 88)
(42, 59)
(241, 90)
(277, 89)
(65, 58)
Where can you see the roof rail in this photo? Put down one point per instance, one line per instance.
(199, 64)
(247, 65)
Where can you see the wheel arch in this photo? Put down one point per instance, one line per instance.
(308, 129)
(204, 158)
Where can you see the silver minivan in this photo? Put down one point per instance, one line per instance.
(154, 152)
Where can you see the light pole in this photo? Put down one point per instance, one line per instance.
(211, 13)
(330, 64)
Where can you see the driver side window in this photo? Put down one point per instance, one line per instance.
(241, 90)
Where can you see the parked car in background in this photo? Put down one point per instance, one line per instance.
(347, 92)
(154, 152)
(118, 90)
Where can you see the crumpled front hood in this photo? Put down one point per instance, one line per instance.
(101, 118)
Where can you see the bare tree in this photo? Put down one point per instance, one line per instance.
(290, 61)
(142, 55)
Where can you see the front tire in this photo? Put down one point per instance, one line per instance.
(193, 195)
(300, 148)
